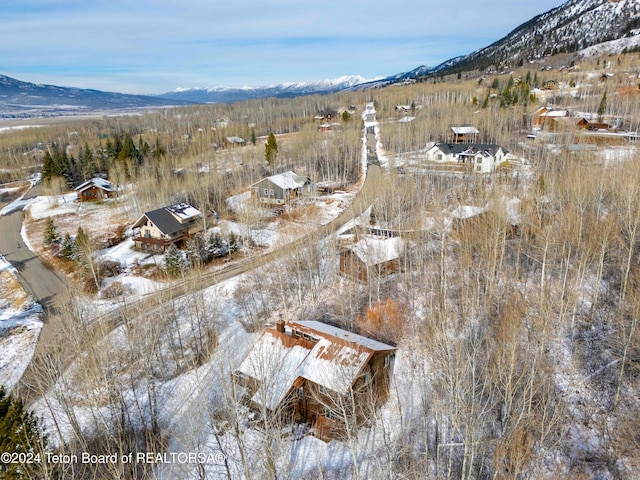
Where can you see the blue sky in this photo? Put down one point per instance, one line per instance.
(153, 46)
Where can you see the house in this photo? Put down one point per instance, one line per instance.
(158, 229)
(95, 189)
(478, 157)
(282, 188)
(464, 133)
(372, 257)
(312, 372)
(543, 116)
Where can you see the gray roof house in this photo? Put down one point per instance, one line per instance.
(478, 157)
(159, 229)
(280, 189)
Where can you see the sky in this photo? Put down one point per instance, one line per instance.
(155, 46)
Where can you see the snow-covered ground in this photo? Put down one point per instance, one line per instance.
(19, 327)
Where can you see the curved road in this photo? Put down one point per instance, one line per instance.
(41, 282)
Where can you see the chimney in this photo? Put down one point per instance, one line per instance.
(280, 325)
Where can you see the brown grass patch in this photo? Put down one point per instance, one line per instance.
(12, 295)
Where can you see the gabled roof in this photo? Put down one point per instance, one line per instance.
(464, 130)
(334, 365)
(274, 365)
(344, 335)
(277, 360)
(374, 251)
(287, 180)
(98, 182)
(168, 219)
(470, 148)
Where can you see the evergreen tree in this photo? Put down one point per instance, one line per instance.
(51, 234)
(253, 137)
(47, 166)
(19, 433)
(271, 150)
(603, 105)
(68, 247)
(174, 263)
(82, 247)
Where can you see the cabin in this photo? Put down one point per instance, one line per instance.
(95, 189)
(545, 116)
(159, 229)
(311, 372)
(476, 157)
(464, 133)
(372, 257)
(281, 189)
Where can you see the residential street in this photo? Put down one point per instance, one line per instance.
(41, 282)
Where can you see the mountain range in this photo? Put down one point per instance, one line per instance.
(574, 27)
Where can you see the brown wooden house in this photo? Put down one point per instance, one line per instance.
(158, 229)
(370, 257)
(95, 189)
(308, 371)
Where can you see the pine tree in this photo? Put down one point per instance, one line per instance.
(603, 105)
(271, 150)
(21, 434)
(51, 234)
(47, 166)
(68, 247)
(253, 137)
(81, 247)
(174, 263)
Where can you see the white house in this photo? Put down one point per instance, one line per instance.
(480, 157)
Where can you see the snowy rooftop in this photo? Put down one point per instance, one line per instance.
(278, 359)
(289, 180)
(275, 366)
(465, 130)
(334, 365)
(102, 183)
(374, 251)
(466, 211)
(184, 211)
(325, 329)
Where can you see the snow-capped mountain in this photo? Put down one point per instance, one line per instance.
(571, 27)
(24, 99)
(283, 90)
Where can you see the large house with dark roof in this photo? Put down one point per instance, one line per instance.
(312, 372)
(476, 157)
(158, 229)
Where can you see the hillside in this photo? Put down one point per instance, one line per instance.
(573, 26)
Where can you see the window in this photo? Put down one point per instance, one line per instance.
(296, 333)
(439, 156)
(478, 159)
(387, 361)
(322, 389)
(265, 192)
(329, 413)
(300, 393)
(271, 192)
